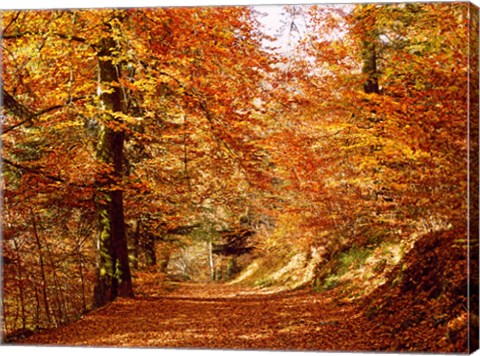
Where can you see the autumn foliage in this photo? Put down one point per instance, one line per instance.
(193, 143)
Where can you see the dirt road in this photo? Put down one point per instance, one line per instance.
(192, 315)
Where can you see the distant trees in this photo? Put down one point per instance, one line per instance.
(370, 138)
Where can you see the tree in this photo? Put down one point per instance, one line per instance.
(114, 278)
(117, 80)
(368, 96)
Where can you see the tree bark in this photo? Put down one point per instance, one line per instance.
(20, 285)
(136, 243)
(58, 294)
(166, 254)
(369, 50)
(150, 253)
(369, 57)
(82, 279)
(42, 270)
(113, 271)
(210, 260)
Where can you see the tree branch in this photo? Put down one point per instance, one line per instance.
(42, 174)
(12, 36)
(19, 110)
(32, 170)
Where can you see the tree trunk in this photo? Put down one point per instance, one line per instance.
(20, 285)
(369, 51)
(210, 260)
(136, 244)
(113, 271)
(58, 295)
(37, 305)
(150, 253)
(369, 57)
(166, 254)
(82, 279)
(42, 270)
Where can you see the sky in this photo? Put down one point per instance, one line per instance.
(276, 23)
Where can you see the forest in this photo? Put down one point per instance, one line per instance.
(299, 177)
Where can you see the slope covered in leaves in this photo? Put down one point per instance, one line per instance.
(425, 300)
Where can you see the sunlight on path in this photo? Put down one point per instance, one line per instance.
(195, 315)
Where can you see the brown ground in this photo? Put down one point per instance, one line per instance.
(422, 307)
(193, 315)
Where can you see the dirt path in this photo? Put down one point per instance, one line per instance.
(192, 315)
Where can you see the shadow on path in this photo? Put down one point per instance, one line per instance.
(217, 316)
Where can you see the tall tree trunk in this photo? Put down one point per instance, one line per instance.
(42, 269)
(113, 271)
(150, 253)
(21, 296)
(82, 279)
(210, 260)
(58, 294)
(37, 304)
(369, 57)
(366, 21)
(136, 243)
(166, 254)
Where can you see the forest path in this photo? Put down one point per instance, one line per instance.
(209, 315)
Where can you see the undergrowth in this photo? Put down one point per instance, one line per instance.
(340, 265)
(360, 269)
